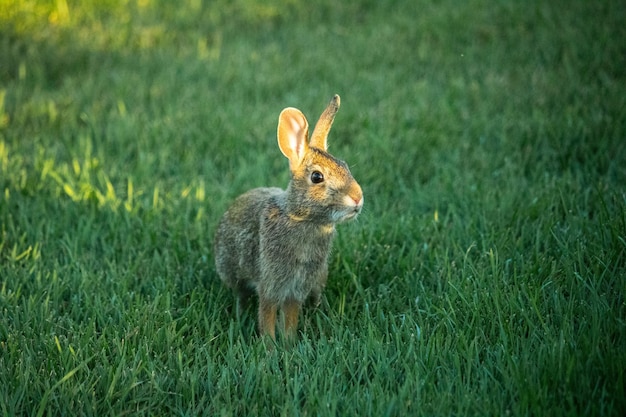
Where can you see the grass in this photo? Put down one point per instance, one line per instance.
(486, 276)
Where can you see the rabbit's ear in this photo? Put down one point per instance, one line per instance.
(320, 133)
(293, 132)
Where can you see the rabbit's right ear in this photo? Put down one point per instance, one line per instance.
(322, 127)
(293, 133)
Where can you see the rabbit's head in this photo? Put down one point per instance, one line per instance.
(322, 189)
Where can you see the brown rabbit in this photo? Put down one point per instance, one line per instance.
(276, 242)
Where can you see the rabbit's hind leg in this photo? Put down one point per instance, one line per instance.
(244, 299)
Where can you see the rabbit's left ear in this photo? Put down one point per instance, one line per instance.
(323, 125)
(293, 132)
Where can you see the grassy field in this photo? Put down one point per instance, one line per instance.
(486, 275)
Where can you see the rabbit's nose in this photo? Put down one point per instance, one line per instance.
(353, 202)
(356, 194)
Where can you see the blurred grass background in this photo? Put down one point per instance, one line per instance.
(485, 276)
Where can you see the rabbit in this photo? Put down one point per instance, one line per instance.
(275, 242)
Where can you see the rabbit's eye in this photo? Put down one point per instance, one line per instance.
(317, 177)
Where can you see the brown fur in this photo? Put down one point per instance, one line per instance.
(276, 243)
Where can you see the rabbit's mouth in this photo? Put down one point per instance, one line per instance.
(355, 204)
(349, 214)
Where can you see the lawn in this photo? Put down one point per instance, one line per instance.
(486, 275)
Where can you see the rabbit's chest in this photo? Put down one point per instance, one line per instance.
(296, 254)
(294, 264)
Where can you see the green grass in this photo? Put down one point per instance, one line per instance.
(486, 276)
